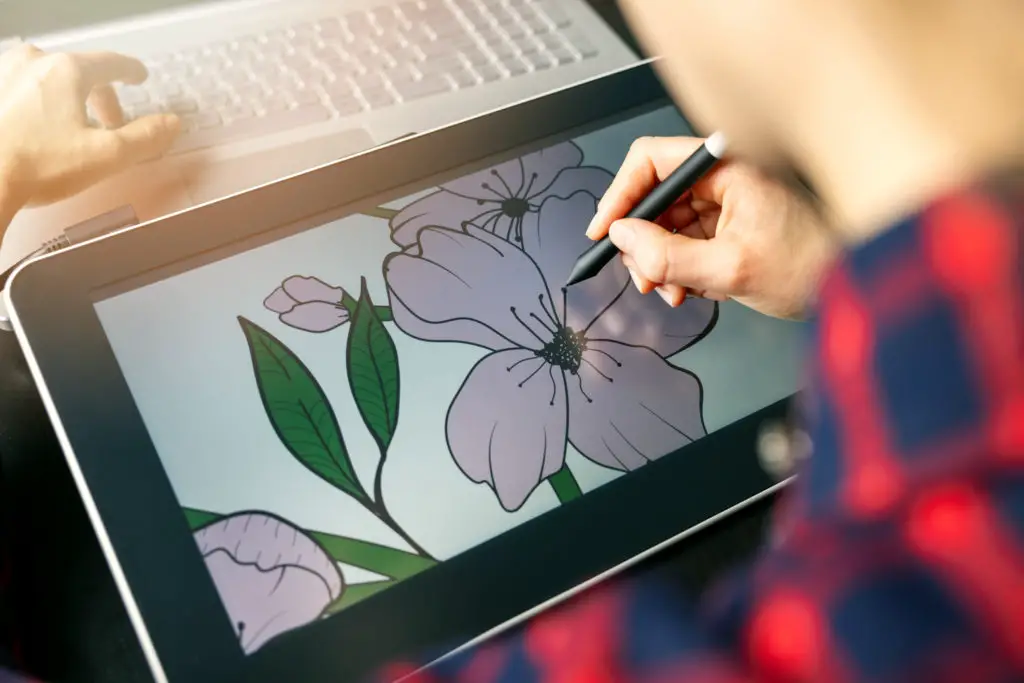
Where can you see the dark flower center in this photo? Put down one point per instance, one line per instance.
(565, 350)
(515, 207)
(512, 203)
(563, 347)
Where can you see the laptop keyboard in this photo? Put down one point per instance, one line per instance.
(357, 62)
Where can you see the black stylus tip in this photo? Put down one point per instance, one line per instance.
(579, 273)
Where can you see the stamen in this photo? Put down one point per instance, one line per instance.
(522, 177)
(595, 368)
(530, 376)
(582, 390)
(488, 187)
(526, 192)
(520, 362)
(494, 172)
(607, 355)
(541, 323)
(565, 303)
(554, 384)
(549, 313)
(520, 321)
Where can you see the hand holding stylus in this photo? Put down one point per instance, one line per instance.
(737, 234)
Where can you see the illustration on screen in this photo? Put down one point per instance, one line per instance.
(481, 261)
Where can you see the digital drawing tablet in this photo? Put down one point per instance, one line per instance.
(352, 416)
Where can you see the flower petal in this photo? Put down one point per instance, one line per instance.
(555, 237)
(446, 210)
(506, 426)
(541, 168)
(468, 286)
(306, 289)
(590, 179)
(270, 576)
(645, 320)
(496, 183)
(628, 406)
(316, 316)
(279, 301)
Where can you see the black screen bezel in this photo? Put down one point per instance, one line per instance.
(457, 601)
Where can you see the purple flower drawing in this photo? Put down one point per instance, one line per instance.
(584, 365)
(309, 304)
(270, 576)
(499, 199)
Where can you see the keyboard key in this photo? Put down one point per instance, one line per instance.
(527, 45)
(215, 100)
(514, 66)
(440, 65)
(250, 128)
(370, 81)
(476, 57)
(235, 112)
(554, 12)
(489, 73)
(464, 78)
(204, 119)
(182, 106)
(563, 56)
(378, 99)
(304, 96)
(425, 87)
(538, 61)
(580, 43)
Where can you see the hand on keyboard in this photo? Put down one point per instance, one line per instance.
(48, 150)
(338, 66)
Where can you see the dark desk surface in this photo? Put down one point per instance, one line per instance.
(64, 576)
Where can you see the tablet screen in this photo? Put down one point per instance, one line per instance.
(361, 397)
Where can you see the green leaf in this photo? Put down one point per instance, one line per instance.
(379, 559)
(356, 593)
(373, 373)
(299, 411)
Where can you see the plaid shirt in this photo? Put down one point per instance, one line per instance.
(902, 552)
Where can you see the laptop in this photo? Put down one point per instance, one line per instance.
(362, 421)
(267, 88)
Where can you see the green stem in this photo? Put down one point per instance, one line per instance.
(565, 485)
(349, 302)
(380, 559)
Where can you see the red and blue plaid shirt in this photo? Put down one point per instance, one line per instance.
(902, 552)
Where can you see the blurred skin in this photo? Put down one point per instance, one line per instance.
(48, 148)
(880, 104)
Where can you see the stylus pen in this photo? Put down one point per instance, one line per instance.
(664, 195)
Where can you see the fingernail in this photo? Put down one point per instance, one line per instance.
(621, 235)
(636, 280)
(592, 228)
(666, 296)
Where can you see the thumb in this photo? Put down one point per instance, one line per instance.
(142, 139)
(668, 258)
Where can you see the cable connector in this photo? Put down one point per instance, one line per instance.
(98, 226)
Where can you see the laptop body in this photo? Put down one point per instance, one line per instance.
(267, 88)
(371, 360)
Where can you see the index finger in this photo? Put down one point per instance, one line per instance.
(103, 68)
(649, 161)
